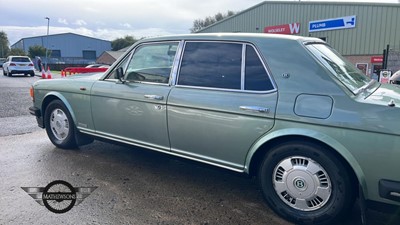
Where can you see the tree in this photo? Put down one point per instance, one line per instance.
(199, 24)
(17, 51)
(121, 43)
(36, 50)
(4, 43)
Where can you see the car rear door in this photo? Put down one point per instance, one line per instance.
(223, 101)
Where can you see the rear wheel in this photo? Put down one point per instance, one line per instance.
(306, 184)
(32, 74)
(59, 125)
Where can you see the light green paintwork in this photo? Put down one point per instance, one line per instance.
(208, 125)
(139, 119)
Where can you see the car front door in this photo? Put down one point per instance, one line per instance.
(223, 101)
(134, 111)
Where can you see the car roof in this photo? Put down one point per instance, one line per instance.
(231, 37)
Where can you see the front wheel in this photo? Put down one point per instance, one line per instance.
(59, 125)
(306, 184)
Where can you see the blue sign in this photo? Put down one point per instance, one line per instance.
(332, 24)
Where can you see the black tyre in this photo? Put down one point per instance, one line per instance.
(59, 125)
(306, 184)
(32, 74)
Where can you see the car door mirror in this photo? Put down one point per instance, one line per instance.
(120, 74)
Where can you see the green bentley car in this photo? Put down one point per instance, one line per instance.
(290, 110)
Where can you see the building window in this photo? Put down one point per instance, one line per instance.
(55, 53)
(87, 54)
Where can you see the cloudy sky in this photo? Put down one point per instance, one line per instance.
(111, 19)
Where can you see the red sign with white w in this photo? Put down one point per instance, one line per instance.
(291, 28)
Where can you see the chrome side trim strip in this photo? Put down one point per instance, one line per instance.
(223, 164)
(160, 149)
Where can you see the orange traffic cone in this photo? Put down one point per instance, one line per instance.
(62, 74)
(48, 73)
(43, 74)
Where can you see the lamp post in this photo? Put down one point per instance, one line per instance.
(47, 40)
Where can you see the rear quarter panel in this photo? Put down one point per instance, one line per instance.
(356, 129)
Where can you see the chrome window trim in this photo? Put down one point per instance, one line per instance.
(226, 90)
(243, 68)
(144, 82)
(176, 64)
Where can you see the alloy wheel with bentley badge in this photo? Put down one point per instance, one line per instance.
(305, 183)
(302, 183)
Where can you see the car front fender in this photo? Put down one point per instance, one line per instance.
(52, 95)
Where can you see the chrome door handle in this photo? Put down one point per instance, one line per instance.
(255, 109)
(155, 97)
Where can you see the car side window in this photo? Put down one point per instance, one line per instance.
(256, 77)
(221, 65)
(152, 63)
(211, 64)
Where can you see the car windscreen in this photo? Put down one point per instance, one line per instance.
(343, 70)
(20, 59)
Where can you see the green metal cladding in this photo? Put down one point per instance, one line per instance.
(377, 24)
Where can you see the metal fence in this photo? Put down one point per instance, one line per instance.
(69, 60)
(63, 62)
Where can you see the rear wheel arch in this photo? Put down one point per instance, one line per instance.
(258, 156)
